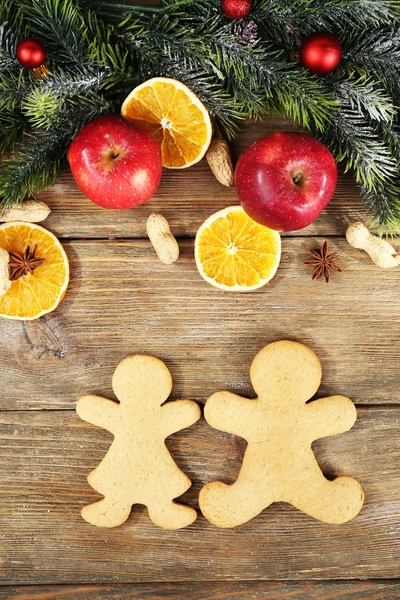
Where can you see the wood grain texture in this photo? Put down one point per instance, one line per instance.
(186, 198)
(122, 300)
(342, 590)
(46, 456)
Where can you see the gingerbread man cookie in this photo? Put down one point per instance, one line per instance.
(279, 464)
(138, 468)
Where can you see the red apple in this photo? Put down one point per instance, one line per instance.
(116, 163)
(285, 180)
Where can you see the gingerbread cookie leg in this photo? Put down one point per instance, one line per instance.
(171, 515)
(106, 513)
(232, 505)
(333, 502)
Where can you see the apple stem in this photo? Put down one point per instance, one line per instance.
(112, 144)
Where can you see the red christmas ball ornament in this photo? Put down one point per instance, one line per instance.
(30, 53)
(236, 9)
(321, 53)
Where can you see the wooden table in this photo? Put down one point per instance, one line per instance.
(122, 300)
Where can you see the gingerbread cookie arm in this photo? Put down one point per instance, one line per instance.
(234, 414)
(98, 411)
(330, 416)
(179, 415)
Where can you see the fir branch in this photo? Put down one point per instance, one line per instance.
(89, 6)
(303, 99)
(42, 108)
(12, 17)
(141, 10)
(358, 146)
(32, 168)
(104, 50)
(384, 203)
(363, 94)
(37, 163)
(353, 133)
(74, 42)
(165, 48)
(390, 133)
(12, 126)
(269, 81)
(13, 87)
(220, 104)
(288, 21)
(8, 42)
(257, 79)
(12, 29)
(376, 52)
(61, 25)
(84, 80)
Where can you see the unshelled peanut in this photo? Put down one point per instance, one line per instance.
(162, 239)
(380, 251)
(30, 211)
(5, 282)
(220, 161)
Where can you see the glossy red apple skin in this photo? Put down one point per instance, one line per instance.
(116, 163)
(265, 180)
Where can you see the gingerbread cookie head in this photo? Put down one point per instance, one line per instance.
(285, 372)
(141, 382)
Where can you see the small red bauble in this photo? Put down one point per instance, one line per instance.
(236, 9)
(321, 53)
(30, 53)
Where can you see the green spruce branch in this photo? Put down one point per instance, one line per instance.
(375, 52)
(287, 22)
(384, 203)
(61, 26)
(37, 163)
(12, 127)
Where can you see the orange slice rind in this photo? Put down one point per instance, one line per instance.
(236, 254)
(175, 116)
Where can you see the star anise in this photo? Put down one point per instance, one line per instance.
(323, 262)
(22, 264)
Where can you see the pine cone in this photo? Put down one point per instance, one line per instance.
(246, 32)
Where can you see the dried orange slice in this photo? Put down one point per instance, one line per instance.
(175, 116)
(34, 294)
(235, 253)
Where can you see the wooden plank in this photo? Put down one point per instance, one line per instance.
(122, 300)
(186, 198)
(343, 590)
(46, 456)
